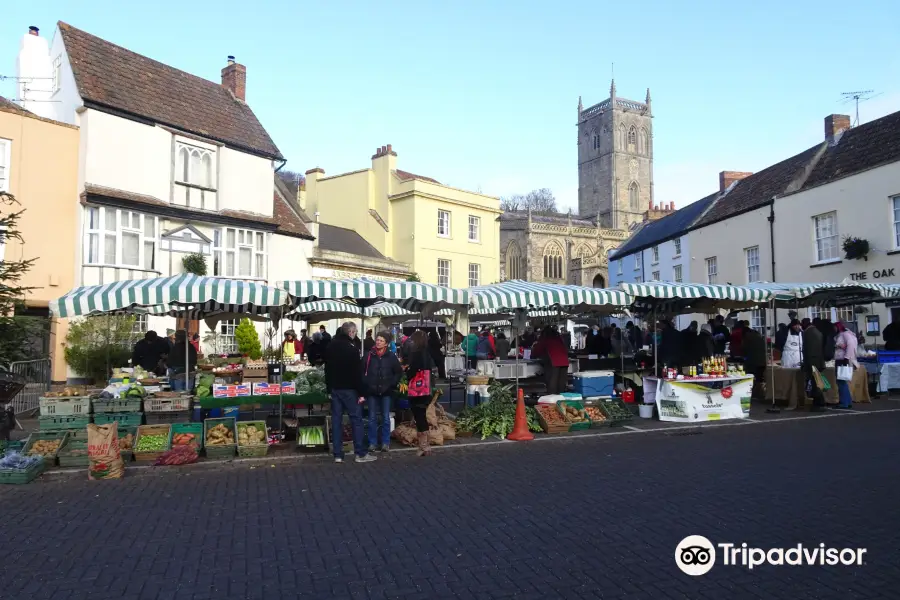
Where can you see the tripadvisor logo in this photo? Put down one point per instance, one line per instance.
(696, 555)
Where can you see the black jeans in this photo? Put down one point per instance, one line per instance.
(419, 408)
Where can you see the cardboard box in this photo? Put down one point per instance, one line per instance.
(231, 391)
(271, 389)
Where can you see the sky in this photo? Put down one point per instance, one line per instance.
(483, 95)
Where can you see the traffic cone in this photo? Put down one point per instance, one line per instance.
(520, 431)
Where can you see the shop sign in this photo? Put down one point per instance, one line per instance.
(876, 274)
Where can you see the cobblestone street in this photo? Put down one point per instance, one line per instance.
(592, 517)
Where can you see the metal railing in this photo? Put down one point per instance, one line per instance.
(37, 376)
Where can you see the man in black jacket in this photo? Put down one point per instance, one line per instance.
(381, 376)
(814, 356)
(149, 351)
(343, 378)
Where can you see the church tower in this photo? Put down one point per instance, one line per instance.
(615, 160)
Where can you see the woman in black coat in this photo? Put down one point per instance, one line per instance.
(419, 360)
(381, 376)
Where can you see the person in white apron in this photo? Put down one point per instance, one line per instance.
(792, 354)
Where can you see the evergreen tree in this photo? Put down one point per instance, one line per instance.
(247, 339)
(15, 331)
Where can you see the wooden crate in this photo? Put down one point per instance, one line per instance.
(151, 430)
(556, 427)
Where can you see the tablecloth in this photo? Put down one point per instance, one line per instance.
(889, 377)
(790, 386)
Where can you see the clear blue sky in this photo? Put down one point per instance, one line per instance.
(483, 95)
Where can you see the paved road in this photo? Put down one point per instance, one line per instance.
(582, 518)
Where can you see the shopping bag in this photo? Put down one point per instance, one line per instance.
(845, 373)
(420, 385)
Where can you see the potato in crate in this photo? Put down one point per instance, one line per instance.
(252, 438)
(219, 438)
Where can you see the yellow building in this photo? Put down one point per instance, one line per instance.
(448, 236)
(39, 166)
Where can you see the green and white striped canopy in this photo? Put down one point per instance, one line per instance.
(413, 296)
(517, 294)
(323, 310)
(736, 293)
(171, 295)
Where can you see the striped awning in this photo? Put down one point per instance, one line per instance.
(516, 295)
(323, 310)
(737, 293)
(413, 296)
(171, 295)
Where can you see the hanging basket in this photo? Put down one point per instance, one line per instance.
(855, 248)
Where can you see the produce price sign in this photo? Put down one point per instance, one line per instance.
(713, 400)
(231, 391)
(271, 389)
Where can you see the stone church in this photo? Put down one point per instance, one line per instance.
(615, 195)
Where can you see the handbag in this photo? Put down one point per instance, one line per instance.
(420, 385)
(845, 373)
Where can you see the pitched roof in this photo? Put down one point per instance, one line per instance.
(406, 175)
(864, 147)
(669, 227)
(12, 107)
(112, 77)
(758, 189)
(288, 214)
(338, 239)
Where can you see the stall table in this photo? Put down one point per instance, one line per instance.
(695, 399)
(304, 399)
(790, 386)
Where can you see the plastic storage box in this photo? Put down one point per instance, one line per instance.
(594, 383)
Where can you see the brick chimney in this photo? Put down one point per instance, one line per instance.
(726, 178)
(835, 125)
(234, 78)
(383, 151)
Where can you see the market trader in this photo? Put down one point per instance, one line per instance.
(148, 352)
(344, 380)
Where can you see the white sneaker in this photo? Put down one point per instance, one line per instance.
(338, 459)
(366, 458)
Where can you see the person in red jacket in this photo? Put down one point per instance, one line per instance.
(551, 349)
(736, 347)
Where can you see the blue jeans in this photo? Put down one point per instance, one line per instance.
(178, 384)
(846, 399)
(346, 400)
(382, 404)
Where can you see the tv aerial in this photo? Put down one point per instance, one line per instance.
(856, 98)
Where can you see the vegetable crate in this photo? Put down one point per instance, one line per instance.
(127, 454)
(567, 407)
(596, 423)
(616, 412)
(196, 429)
(11, 446)
(164, 405)
(49, 459)
(255, 449)
(146, 430)
(65, 407)
(181, 416)
(20, 476)
(123, 419)
(116, 405)
(547, 426)
(73, 454)
(60, 423)
(310, 441)
(219, 451)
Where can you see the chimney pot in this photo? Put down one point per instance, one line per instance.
(230, 59)
(389, 149)
(834, 126)
(33, 30)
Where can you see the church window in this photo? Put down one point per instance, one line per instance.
(644, 142)
(634, 196)
(553, 261)
(620, 137)
(596, 142)
(632, 139)
(513, 261)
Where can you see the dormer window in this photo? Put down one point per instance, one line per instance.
(194, 166)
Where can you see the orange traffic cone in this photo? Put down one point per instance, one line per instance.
(520, 431)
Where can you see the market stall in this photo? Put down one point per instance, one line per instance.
(693, 399)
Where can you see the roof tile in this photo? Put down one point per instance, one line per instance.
(119, 79)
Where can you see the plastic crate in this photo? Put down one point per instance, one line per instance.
(151, 430)
(65, 407)
(616, 411)
(164, 405)
(219, 451)
(18, 477)
(116, 405)
(61, 423)
(123, 419)
(73, 454)
(11, 446)
(255, 449)
(49, 460)
(576, 425)
(78, 434)
(195, 428)
(888, 356)
(163, 418)
(596, 423)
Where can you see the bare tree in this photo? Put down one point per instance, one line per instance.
(293, 180)
(540, 201)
